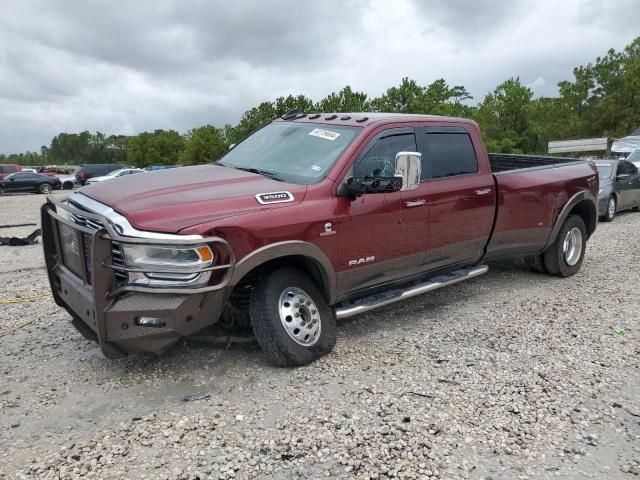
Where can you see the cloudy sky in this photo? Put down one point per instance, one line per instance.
(127, 67)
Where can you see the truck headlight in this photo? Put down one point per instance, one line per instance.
(148, 257)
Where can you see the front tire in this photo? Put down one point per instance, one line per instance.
(290, 318)
(565, 255)
(612, 205)
(45, 188)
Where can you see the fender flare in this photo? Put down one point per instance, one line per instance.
(579, 197)
(285, 249)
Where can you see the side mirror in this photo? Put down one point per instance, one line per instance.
(623, 177)
(409, 168)
(360, 186)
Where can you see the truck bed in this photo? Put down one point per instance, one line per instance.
(506, 162)
(530, 198)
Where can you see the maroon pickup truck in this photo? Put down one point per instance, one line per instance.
(311, 219)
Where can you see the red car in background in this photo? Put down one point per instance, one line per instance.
(8, 169)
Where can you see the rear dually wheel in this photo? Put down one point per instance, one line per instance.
(565, 255)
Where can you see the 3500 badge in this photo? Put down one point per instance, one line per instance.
(274, 197)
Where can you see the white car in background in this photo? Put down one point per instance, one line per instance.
(116, 173)
(68, 181)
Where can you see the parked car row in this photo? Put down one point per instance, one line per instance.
(20, 179)
(619, 181)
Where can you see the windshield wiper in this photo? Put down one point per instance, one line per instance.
(264, 173)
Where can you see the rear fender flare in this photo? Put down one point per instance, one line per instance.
(566, 210)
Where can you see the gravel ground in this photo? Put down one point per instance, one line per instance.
(512, 375)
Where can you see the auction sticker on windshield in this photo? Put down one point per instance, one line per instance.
(326, 134)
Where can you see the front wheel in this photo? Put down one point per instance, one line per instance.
(290, 318)
(564, 257)
(611, 209)
(45, 188)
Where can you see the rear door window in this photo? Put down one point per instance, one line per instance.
(447, 154)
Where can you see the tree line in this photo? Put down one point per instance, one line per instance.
(602, 100)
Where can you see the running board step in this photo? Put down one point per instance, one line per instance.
(378, 300)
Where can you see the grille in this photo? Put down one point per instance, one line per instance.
(73, 247)
(117, 257)
(85, 222)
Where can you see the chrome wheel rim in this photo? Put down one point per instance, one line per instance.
(299, 316)
(46, 188)
(572, 246)
(611, 208)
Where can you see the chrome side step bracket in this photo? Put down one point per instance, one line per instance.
(365, 304)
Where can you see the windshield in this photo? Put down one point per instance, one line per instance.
(299, 153)
(634, 157)
(605, 169)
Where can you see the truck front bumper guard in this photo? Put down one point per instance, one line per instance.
(124, 318)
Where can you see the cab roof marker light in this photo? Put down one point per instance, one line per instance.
(291, 114)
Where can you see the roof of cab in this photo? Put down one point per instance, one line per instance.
(360, 119)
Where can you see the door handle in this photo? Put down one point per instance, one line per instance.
(414, 203)
(484, 191)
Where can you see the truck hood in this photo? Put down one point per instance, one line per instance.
(171, 200)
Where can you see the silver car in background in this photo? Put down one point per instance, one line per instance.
(619, 187)
(115, 174)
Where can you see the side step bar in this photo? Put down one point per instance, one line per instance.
(378, 300)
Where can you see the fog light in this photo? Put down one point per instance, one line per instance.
(150, 322)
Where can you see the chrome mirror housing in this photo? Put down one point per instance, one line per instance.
(409, 167)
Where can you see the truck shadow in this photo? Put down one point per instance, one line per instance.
(237, 351)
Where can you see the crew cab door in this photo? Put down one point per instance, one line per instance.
(375, 242)
(460, 191)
